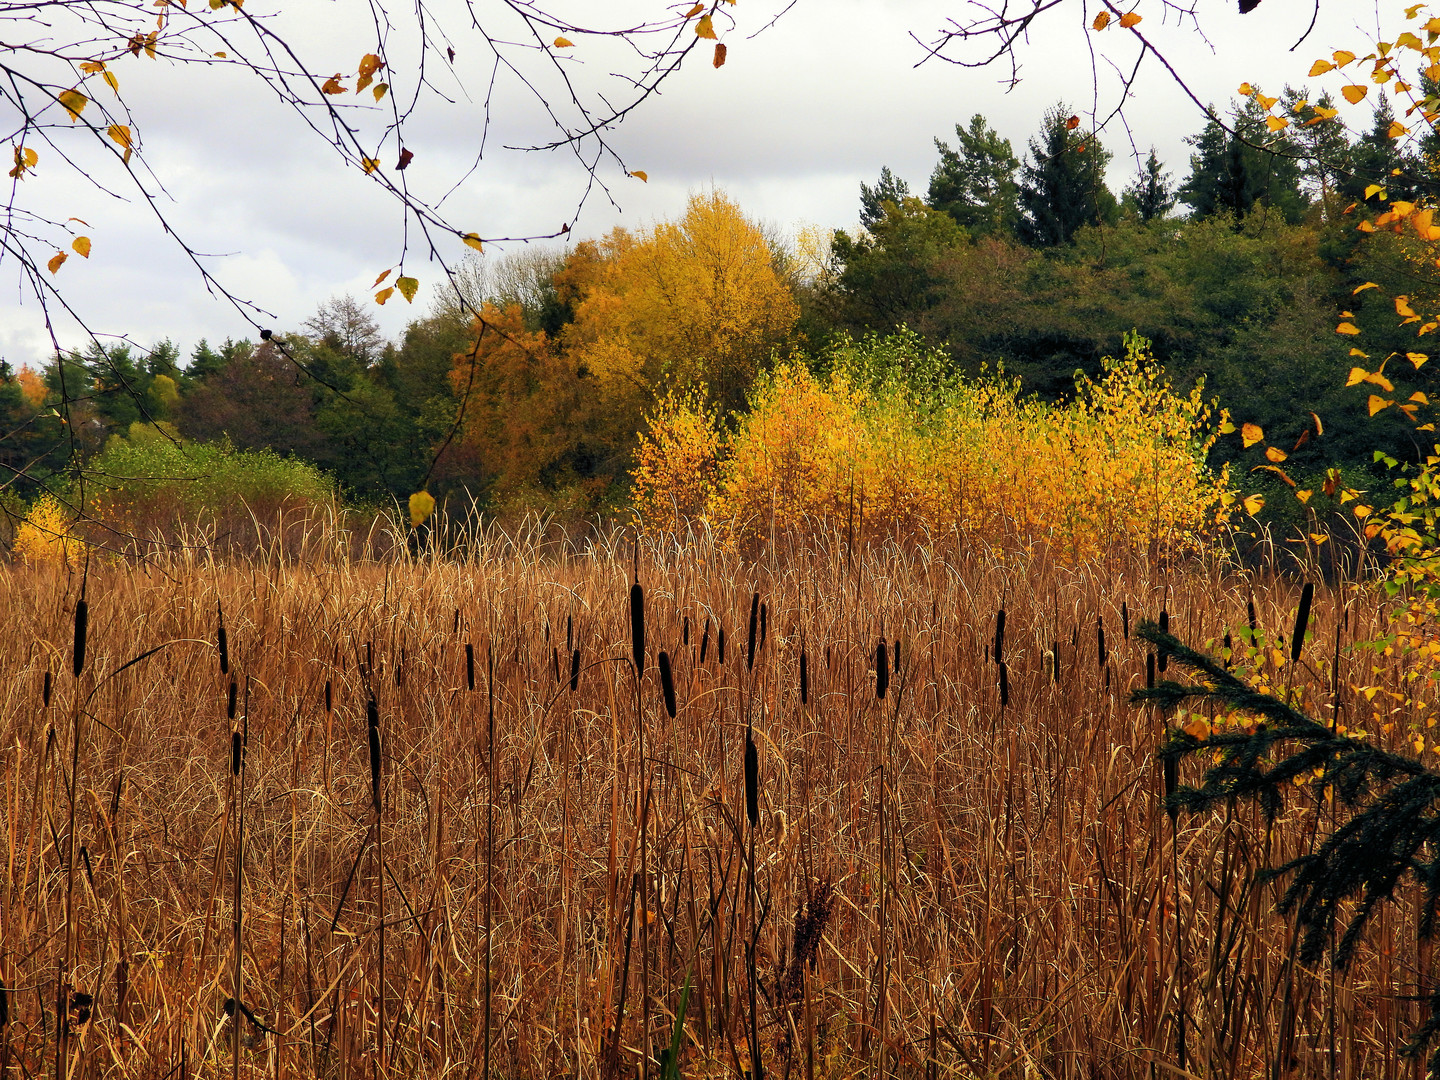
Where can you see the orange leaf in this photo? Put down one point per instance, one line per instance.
(1354, 93)
(1101, 21)
(57, 261)
(1275, 454)
(1347, 328)
(1250, 434)
(1129, 19)
(1378, 404)
(81, 244)
(640, 175)
(720, 51)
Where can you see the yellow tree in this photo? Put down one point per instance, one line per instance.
(695, 303)
(522, 430)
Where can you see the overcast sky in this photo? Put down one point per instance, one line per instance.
(797, 117)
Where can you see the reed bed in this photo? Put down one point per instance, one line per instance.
(434, 817)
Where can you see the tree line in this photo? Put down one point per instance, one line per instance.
(1236, 272)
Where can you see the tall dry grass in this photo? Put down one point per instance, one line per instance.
(930, 881)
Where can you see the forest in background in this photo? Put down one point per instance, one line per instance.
(1017, 271)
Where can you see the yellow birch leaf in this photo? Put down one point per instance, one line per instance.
(1101, 21)
(1303, 494)
(369, 164)
(1354, 93)
(1378, 404)
(369, 64)
(1347, 328)
(57, 261)
(383, 276)
(1361, 511)
(1357, 376)
(640, 175)
(408, 287)
(1129, 19)
(1416, 358)
(1254, 504)
(74, 103)
(92, 67)
(30, 156)
(1365, 226)
(1245, 89)
(473, 240)
(704, 29)
(1380, 381)
(1362, 288)
(1276, 123)
(564, 43)
(1402, 307)
(696, 10)
(379, 90)
(1275, 454)
(1396, 129)
(1419, 396)
(1250, 434)
(120, 134)
(1343, 57)
(1320, 67)
(384, 294)
(81, 244)
(1227, 428)
(1266, 102)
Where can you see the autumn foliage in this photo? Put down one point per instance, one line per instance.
(1124, 463)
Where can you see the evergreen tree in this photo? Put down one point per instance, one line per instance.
(1062, 182)
(1151, 194)
(975, 182)
(1376, 158)
(889, 189)
(1231, 173)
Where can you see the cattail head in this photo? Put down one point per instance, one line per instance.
(1125, 619)
(720, 645)
(882, 669)
(685, 632)
(1229, 650)
(1149, 671)
(230, 701)
(667, 683)
(1004, 684)
(469, 666)
(804, 679)
(1302, 621)
(575, 671)
(569, 633)
(1250, 612)
(998, 653)
(1163, 659)
(637, 626)
(754, 627)
(372, 726)
(236, 753)
(705, 641)
(1100, 640)
(222, 640)
(82, 625)
(45, 690)
(329, 703)
(455, 626)
(752, 781)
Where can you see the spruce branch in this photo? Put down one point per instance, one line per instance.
(1392, 830)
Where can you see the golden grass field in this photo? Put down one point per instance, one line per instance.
(936, 885)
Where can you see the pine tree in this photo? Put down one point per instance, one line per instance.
(1151, 194)
(1231, 173)
(975, 182)
(1062, 182)
(889, 189)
